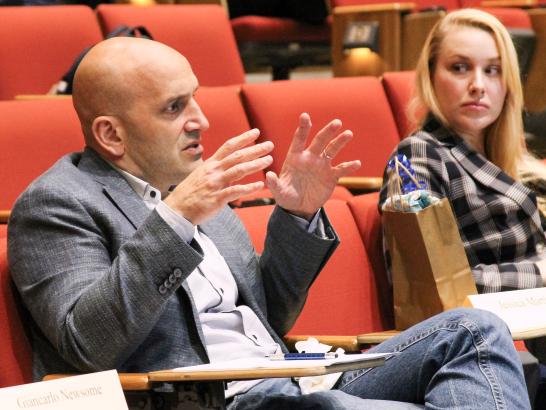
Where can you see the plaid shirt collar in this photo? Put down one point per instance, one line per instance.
(483, 170)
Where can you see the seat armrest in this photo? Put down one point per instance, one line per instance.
(4, 216)
(361, 183)
(347, 343)
(375, 338)
(129, 381)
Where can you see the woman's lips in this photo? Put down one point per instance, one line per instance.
(475, 106)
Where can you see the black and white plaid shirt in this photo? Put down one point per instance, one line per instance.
(497, 217)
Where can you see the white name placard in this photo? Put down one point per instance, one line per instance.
(86, 392)
(524, 311)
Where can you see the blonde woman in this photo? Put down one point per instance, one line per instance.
(470, 148)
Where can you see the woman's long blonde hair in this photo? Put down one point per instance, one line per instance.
(504, 139)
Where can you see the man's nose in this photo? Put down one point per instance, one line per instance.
(196, 118)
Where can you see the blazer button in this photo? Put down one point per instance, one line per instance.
(167, 284)
(172, 279)
(162, 289)
(177, 272)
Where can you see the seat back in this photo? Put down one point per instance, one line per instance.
(39, 44)
(202, 33)
(15, 351)
(343, 299)
(226, 114)
(368, 220)
(359, 102)
(399, 87)
(33, 136)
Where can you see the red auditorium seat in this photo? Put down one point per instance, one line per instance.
(368, 220)
(399, 87)
(15, 350)
(39, 44)
(202, 33)
(343, 298)
(34, 135)
(360, 103)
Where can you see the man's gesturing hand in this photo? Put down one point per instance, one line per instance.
(307, 177)
(210, 186)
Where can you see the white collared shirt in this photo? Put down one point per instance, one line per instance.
(230, 331)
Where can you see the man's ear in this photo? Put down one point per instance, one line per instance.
(107, 133)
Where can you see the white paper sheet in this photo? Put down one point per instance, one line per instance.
(265, 363)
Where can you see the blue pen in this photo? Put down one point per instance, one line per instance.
(303, 356)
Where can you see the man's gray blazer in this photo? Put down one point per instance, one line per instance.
(103, 277)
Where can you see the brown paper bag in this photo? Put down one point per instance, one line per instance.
(430, 270)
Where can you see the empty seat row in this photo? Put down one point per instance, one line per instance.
(39, 44)
(35, 133)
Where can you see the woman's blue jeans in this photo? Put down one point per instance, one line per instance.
(460, 359)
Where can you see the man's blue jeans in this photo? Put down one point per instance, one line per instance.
(460, 359)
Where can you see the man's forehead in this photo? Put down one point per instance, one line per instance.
(162, 89)
(166, 71)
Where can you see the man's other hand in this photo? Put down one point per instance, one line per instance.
(308, 178)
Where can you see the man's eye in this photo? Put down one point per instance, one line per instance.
(459, 68)
(174, 107)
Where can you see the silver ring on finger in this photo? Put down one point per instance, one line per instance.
(326, 155)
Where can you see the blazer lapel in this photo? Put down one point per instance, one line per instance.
(491, 176)
(115, 187)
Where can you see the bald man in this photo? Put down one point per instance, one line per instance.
(128, 257)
